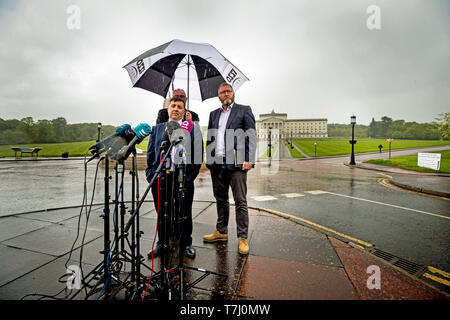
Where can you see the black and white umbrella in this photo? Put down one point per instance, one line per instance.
(170, 66)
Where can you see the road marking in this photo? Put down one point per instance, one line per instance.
(287, 195)
(356, 246)
(391, 205)
(316, 192)
(292, 195)
(437, 279)
(436, 270)
(385, 183)
(263, 198)
(318, 226)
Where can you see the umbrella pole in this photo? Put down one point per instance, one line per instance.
(188, 67)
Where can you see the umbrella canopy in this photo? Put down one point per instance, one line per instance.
(172, 65)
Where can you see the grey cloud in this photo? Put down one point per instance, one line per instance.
(306, 58)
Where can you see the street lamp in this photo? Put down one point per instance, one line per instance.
(270, 144)
(99, 127)
(353, 141)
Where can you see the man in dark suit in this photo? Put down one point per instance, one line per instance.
(163, 115)
(230, 151)
(194, 156)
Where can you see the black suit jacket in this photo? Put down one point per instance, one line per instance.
(194, 152)
(163, 116)
(240, 129)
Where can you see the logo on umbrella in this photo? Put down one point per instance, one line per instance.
(134, 72)
(231, 78)
(231, 75)
(141, 66)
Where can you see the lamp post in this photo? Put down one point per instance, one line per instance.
(99, 127)
(353, 141)
(270, 145)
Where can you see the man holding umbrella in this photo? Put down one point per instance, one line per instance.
(163, 114)
(231, 149)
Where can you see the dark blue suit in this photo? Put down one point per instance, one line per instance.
(194, 155)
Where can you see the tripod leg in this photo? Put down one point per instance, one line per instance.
(106, 212)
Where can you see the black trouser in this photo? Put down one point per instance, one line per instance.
(186, 236)
(222, 179)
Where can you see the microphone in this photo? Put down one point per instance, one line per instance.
(166, 137)
(112, 142)
(178, 139)
(187, 125)
(141, 131)
(181, 135)
(186, 129)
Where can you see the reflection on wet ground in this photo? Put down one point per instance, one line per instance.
(30, 186)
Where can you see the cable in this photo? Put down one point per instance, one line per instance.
(88, 214)
(153, 245)
(73, 245)
(81, 210)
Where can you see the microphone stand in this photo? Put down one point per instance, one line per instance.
(164, 194)
(135, 212)
(180, 222)
(104, 276)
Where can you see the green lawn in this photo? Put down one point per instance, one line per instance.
(50, 149)
(56, 149)
(294, 152)
(325, 147)
(331, 147)
(410, 162)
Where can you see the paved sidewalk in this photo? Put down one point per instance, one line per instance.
(288, 260)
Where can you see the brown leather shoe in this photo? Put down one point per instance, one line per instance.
(216, 236)
(243, 246)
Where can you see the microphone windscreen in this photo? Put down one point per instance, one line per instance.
(124, 130)
(187, 125)
(172, 126)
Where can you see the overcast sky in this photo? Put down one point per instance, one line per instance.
(309, 59)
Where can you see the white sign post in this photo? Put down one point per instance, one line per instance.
(389, 141)
(429, 160)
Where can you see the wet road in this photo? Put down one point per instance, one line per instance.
(324, 191)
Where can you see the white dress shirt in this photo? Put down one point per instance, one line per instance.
(223, 119)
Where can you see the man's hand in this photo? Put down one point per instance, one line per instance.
(246, 166)
(188, 116)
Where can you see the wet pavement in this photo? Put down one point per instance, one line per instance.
(431, 183)
(291, 258)
(287, 260)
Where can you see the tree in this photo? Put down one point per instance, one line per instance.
(26, 126)
(59, 129)
(385, 124)
(373, 130)
(44, 131)
(10, 136)
(444, 125)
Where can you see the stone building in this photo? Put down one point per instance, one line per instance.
(284, 127)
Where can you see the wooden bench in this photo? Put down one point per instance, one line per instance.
(21, 150)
